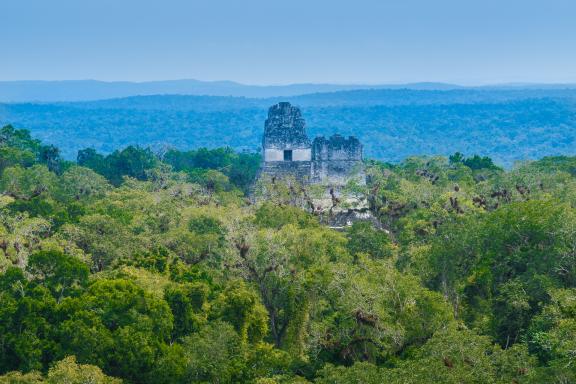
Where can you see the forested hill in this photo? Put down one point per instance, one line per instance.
(84, 90)
(505, 124)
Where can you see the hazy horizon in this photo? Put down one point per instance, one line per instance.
(285, 84)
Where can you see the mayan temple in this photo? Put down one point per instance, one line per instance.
(329, 165)
(288, 152)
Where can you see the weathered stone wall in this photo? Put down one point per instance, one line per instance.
(337, 160)
(299, 170)
(285, 128)
(337, 147)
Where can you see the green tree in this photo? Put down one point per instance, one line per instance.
(82, 183)
(240, 306)
(27, 183)
(364, 238)
(376, 312)
(64, 371)
(60, 273)
(189, 305)
(214, 355)
(130, 329)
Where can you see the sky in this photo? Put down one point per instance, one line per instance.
(469, 42)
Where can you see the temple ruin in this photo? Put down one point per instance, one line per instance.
(287, 151)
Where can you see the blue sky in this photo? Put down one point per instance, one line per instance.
(288, 41)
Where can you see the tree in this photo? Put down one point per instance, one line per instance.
(241, 307)
(28, 183)
(18, 138)
(288, 268)
(26, 327)
(89, 158)
(50, 155)
(364, 238)
(64, 371)
(270, 215)
(460, 356)
(131, 161)
(214, 355)
(359, 373)
(82, 183)
(20, 236)
(69, 372)
(189, 305)
(456, 158)
(100, 236)
(59, 272)
(10, 157)
(551, 336)
(17, 148)
(476, 162)
(375, 312)
(501, 265)
(127, 326)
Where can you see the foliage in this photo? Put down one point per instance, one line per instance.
(65, 371)
(156, 268)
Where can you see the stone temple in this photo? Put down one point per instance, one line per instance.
(287, 151)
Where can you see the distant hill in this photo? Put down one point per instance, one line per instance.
(507, 124)
(90, 90)
(86, 90)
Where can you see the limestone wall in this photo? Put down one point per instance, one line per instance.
(336, 160)
(299, 170)
(285, 128)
